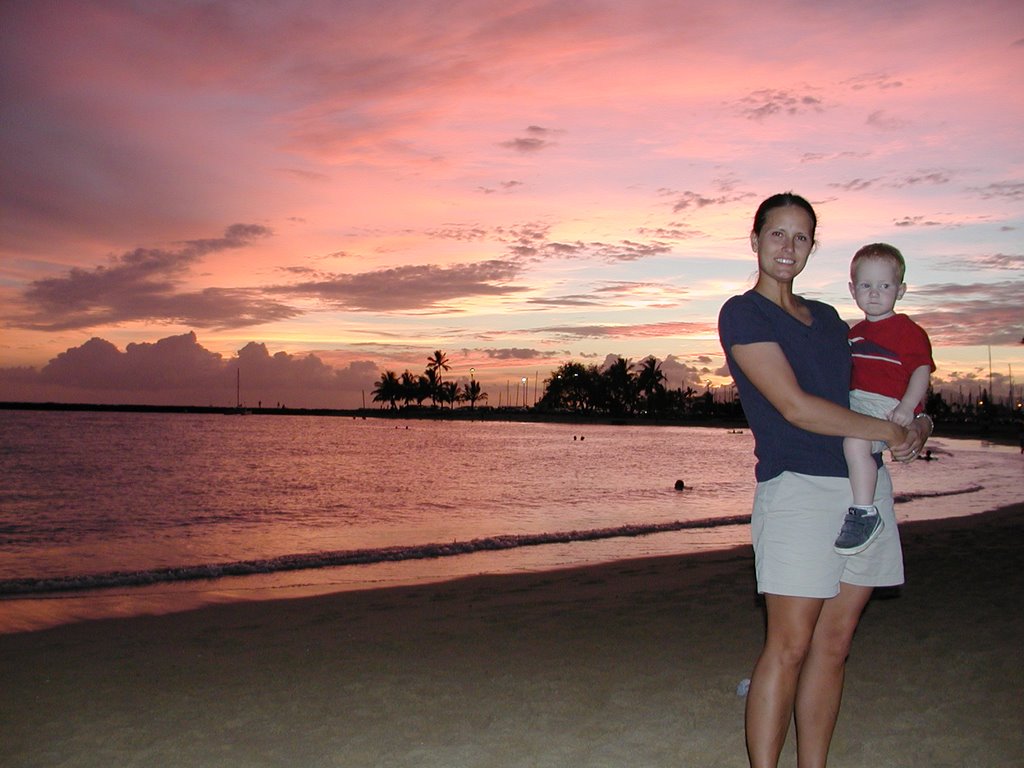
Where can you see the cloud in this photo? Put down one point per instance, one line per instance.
(531, 242)
(769, 102)
(641, 330)
(679, 373)
(410, 288)
(670, 233)
(924, 178)
(459, 232)
(170, 363)
(689, 200)
(566, 300)
(855, 185)
(177, 370)
(878, 82)
(995, 261)
(517, 353)
(142, 285)
(505, 186)
(971, 313)
(1005, 190)
(620, 294)
(917, 221)
(536, 140)
(879, 119)
(627, 250)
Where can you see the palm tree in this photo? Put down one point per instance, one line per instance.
(431, 383)
(649, 380)
(572, 387)
(471, 392)
(621, 386)
(388, 389)
(448, 392)
(425, 387)
(410, 386)
(437, 362)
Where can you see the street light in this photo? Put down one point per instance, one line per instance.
(524, 391)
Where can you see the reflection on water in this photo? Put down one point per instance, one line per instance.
(93, 492)
(85, 493)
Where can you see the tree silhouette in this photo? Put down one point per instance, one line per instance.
(410, 386)
(425, 387)
(471, 392)
(388, 389)
(438, 362)
(431, 384)
(571, 387)
(448, 392)
(650, 381)
(620, 386)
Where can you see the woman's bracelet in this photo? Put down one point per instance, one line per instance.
(931, 422)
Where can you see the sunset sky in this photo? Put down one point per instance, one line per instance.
(315, 192)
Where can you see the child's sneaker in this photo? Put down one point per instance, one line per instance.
(859, 530)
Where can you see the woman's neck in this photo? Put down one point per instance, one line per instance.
(776, 292)
(782, 295)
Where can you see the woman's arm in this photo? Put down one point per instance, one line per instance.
(918, 433)
(768, 369)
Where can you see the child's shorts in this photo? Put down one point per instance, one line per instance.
(794, 524)
(873, 404)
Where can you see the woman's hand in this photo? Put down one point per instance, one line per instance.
(914, 438)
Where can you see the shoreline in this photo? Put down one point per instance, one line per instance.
(33, 606)
(631, 662)
(1001, 433)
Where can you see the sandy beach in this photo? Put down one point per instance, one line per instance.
(633, 663)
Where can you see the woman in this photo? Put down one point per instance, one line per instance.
(791, 362)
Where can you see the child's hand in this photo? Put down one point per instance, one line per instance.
(902, 416)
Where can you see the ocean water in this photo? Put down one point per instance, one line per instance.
(123, 513)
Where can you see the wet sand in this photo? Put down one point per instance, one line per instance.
(633, 663)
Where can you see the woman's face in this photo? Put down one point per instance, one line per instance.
(784, 243)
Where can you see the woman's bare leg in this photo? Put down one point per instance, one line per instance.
(773, 684)
(820, 686)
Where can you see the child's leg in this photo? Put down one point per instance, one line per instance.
(862, 523)
(863, 470)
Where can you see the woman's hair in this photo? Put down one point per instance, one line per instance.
(781, 200)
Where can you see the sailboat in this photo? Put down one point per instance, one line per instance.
(239, 410)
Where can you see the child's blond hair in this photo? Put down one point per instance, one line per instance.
(881, 252)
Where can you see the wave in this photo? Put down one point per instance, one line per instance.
(25, 586)
(314, 560)
(903, 498)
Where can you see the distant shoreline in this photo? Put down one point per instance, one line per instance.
(1001, 433)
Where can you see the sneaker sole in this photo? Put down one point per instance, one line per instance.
(861, 547)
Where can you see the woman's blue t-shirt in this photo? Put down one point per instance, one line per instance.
(820, 357)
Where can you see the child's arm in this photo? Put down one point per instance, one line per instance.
(917, 388)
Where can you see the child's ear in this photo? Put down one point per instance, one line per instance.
(853, 290)
(902, 289)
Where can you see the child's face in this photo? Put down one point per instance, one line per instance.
(876, 288)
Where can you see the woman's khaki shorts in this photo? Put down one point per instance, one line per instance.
(794, 524)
